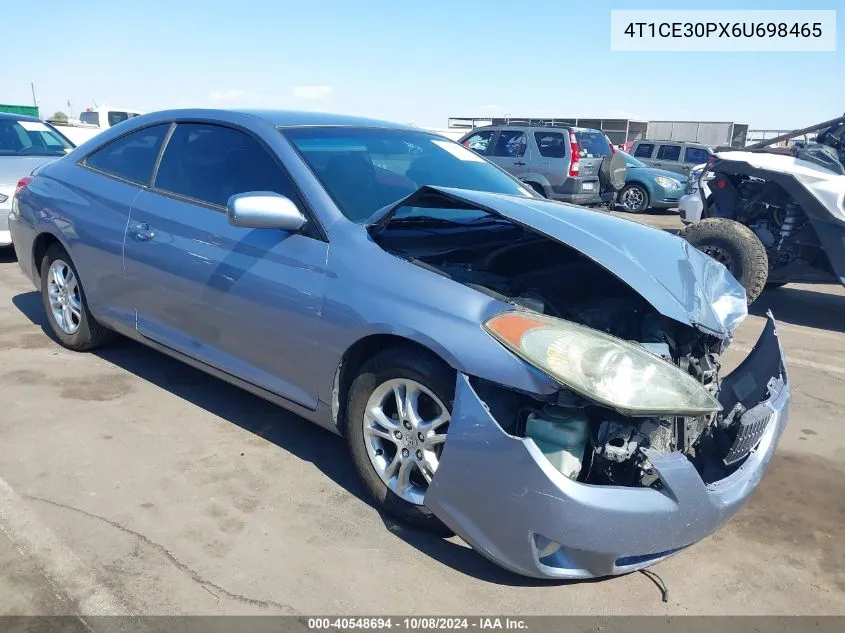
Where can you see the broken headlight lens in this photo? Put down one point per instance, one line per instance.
(612, 372)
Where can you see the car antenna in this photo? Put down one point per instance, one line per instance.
(657, 580)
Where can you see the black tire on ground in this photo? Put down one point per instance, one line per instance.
(537, 188)
(89, 334)
(734, 245)
(397, 362)
(633, 188)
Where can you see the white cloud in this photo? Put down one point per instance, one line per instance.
(312, 93)
(226, 96)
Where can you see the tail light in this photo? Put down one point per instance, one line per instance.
(22, 183)
(574, 167)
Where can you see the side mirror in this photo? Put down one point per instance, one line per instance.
(264, 210)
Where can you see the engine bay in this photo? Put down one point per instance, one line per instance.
(530, 271)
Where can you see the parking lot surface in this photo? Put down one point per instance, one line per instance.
(131, 483)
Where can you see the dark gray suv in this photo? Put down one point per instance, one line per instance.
(561, 163)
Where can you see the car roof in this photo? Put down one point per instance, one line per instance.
(666, 140)
(295, 118)
(487, 128)
(18, 117)
(277, 118)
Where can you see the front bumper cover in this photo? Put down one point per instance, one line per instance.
(498, 492)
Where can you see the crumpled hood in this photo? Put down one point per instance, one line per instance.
(13, 168)
(677, 279)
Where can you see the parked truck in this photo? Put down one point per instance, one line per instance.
(93, 121)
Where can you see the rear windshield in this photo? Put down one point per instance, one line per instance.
(31, 138)
(592, 143)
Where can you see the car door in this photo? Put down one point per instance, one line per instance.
(669, 157)
(552, 158)
(510, 151)
(246, 301)
(95, 207)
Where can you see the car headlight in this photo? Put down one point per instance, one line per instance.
(602, 368)
(3, 198)
(668, 183)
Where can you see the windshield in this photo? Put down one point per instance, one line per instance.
(92, 118)
(365, 169)
(593, 144)
(630, 161)
(31, 138)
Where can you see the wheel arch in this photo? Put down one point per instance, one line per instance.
(40, 245)
(360, 352)
(532, 179)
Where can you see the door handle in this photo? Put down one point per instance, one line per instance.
(518, 162)
(141, 230)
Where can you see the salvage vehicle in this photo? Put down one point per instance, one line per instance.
(775, 215)
(541, 379)
(26, 142)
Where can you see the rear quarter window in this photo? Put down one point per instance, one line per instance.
(131, 157)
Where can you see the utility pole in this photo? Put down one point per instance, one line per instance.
(34, 100)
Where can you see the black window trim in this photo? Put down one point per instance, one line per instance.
(83, 162)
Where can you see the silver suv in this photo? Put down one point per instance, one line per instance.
(677, 156)
(561, 163)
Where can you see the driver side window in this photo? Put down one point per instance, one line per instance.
(211, 163)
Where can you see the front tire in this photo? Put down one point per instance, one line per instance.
(398, 413)
(736, 247)
(63, 298)
(633, 198)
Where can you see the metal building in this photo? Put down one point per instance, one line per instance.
(621, 131)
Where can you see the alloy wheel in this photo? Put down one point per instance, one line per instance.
(632, 199)
(65, 300)
(405, 427)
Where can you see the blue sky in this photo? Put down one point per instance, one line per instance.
(414, 62)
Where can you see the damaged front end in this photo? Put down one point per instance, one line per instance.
(646, 448)
(645, 488)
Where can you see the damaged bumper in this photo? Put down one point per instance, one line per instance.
(500, 494)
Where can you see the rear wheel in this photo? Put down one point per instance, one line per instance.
(633, 198)
(736, 247)
(64, 302)
(398, 416)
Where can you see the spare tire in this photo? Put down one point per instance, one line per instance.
(612, 172)
(736, 247)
